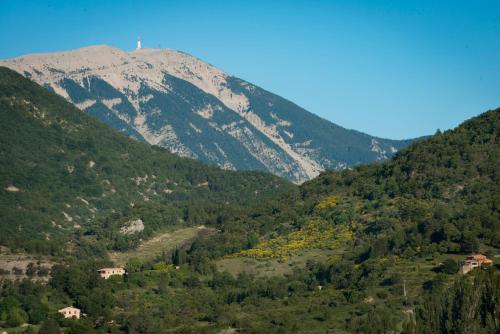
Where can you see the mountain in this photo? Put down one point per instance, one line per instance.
(376, 248)
(64, 173)
(437, 196)
(176, 101)
(372, 249)
(440, 194)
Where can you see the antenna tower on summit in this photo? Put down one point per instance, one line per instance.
(138, 43)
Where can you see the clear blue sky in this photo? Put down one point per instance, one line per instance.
(394, 69)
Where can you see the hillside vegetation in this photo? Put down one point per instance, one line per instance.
(64, 174)
(375, 249)
(439, 195)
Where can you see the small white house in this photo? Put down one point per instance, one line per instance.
(108, 272)
(474, 261)
(70, 312)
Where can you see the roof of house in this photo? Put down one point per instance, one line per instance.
(106, 269)
(479, 258)
(69, 308)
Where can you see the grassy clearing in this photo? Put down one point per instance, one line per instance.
(163, 242)
(273, 267)
(316, 234)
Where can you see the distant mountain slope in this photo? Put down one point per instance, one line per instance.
(176, 101)
(63, 173)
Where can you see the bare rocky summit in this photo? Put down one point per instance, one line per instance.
(171, 99)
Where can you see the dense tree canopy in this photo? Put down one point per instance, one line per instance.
(391, 235)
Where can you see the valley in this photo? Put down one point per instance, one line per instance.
(249, 167)
(370, 249)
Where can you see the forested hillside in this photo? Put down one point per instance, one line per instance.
(64, 174)
(375, 249)
(439, 195)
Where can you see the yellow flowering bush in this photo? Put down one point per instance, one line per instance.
(316, 234)
(327, 202)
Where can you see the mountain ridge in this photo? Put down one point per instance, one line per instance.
(172, 99)
(61, 172)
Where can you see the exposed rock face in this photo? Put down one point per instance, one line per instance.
(133, 226)
(12, 189)
(171, 99)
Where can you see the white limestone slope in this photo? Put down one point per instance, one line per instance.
(127, 71)
(121, 69)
